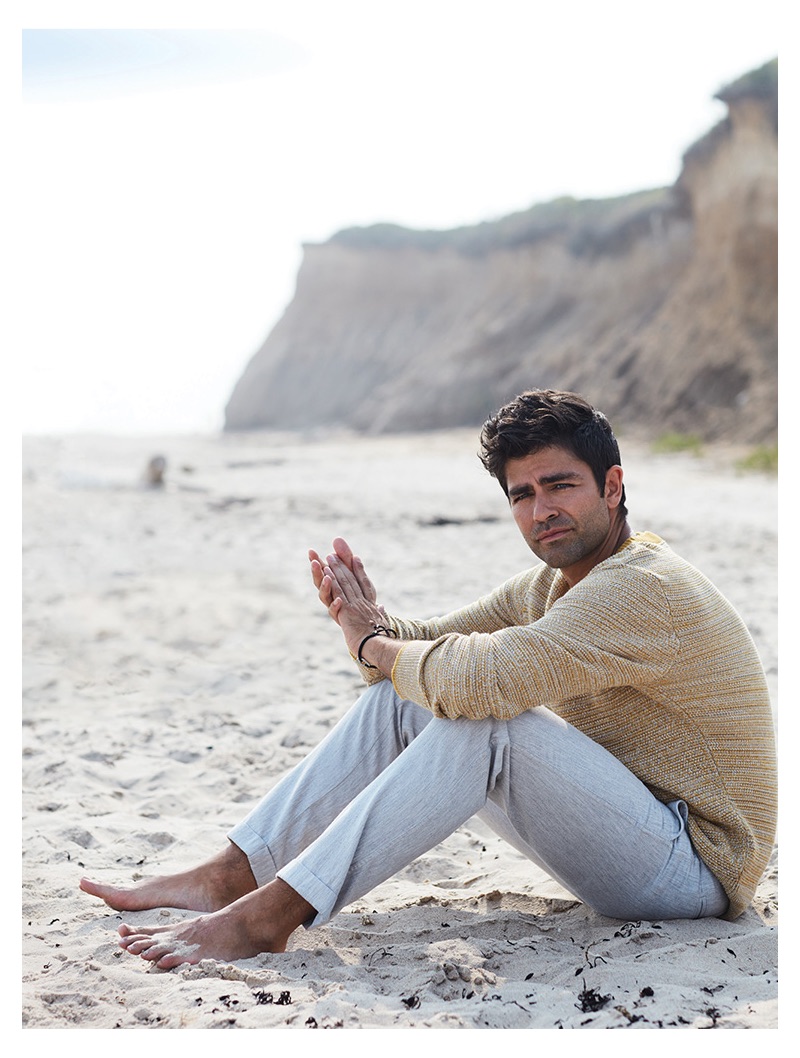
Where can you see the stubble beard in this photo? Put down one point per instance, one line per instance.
(572, 548)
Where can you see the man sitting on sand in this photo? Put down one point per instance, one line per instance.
(604, 711)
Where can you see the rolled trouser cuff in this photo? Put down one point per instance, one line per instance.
(312, 889)
(252, 845)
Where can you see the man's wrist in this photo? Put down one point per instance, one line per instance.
(377, 630)
(379, 652)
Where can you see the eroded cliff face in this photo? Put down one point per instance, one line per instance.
(661, 308)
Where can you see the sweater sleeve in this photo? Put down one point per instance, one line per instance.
(612, 629)
(504, 606)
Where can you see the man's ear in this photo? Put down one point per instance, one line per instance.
(613, 490)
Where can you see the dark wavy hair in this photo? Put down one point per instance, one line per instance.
(549, 418)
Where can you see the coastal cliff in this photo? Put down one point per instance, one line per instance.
(660, 307)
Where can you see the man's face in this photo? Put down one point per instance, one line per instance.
(559, 510)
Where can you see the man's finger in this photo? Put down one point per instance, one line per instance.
(325, 591)
(344, 579)
(344, 551)
(364, 582)
(316, 568)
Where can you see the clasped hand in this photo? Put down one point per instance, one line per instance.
(347, 593)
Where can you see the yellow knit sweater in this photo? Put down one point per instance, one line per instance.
(647, 658)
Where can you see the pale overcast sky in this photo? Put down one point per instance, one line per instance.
(169, 178)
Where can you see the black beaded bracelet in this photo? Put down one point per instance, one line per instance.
(380, 630)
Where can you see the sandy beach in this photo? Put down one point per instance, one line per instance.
(177, 663)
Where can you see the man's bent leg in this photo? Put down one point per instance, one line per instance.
(573, 808)
(426, 793)
(366, 741)
(292, 814)
(304, 802)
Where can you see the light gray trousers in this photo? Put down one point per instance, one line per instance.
(390, 781)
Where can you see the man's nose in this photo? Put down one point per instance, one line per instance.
(543, 509)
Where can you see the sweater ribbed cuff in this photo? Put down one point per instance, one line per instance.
(406, 672)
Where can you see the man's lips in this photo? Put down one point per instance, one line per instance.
(552, 534)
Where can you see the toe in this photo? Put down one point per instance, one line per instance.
(171, 960)
(126, 932)
(153, 952)
(136, 945)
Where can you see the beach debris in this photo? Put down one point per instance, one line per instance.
(628, 929)
(249, 464)
(592, 961)
(231, 501)
(631, 1017)
(380, 953)
(284, 999)
(154, 472)
(327, 1023)
(590, 1000)
(439, 520)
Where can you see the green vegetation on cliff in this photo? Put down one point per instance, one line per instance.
(759, 84)
(591, 226)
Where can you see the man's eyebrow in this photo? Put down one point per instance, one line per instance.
(548, 479)
(565, 475)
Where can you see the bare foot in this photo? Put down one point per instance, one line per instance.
(261, 921)
(209, 887)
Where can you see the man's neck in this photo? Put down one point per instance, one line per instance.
(618, 533)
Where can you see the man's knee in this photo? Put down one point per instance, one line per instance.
(380, 695)
(384, 691)
(382, 700)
